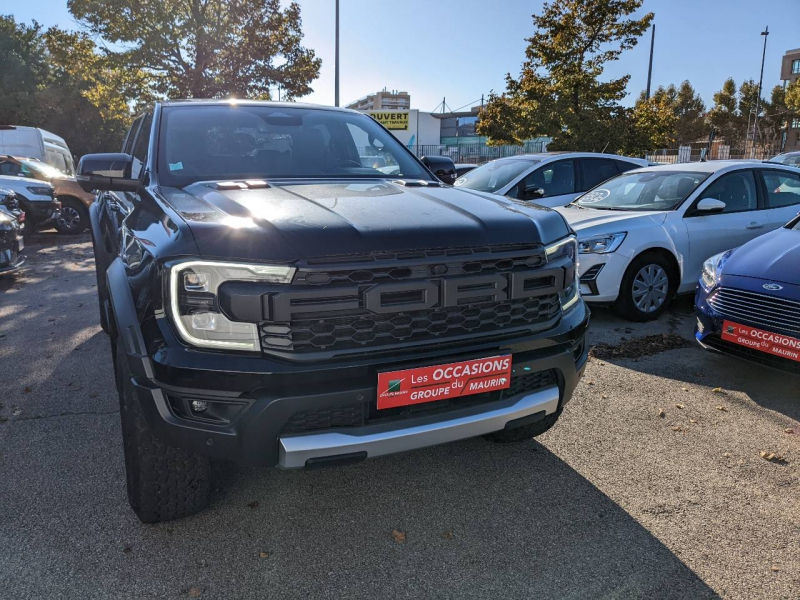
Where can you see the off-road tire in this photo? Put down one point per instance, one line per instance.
(524, 433)
(80, 211)
(164, 483)
(625, 306)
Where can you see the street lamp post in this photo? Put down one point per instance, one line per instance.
(765, 33)
(336, 67)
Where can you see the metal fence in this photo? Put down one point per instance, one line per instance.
(718, 150)
(476, 154)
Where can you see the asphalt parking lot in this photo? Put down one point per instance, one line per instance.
(652, 485)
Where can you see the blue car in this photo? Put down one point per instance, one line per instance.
(748, 300)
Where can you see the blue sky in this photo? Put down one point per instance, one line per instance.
(460, 49)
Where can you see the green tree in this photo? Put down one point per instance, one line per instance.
(688, 108)
(63, 84)
(559, 92)
(206, 48)
(652, 124)
(23, 70)
(724, 115)
(792, 96)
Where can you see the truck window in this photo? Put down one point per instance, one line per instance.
(252, 142)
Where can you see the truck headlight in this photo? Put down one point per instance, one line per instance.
(194, 304)
(602, 244)
(567, 247)
(712, 269)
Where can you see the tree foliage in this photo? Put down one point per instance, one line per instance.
(58, 81)
(688, 109)
(206, 48)
(560, 92)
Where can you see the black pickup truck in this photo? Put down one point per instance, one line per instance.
(273, 301)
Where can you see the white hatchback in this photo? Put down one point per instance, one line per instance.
(548, 178)
(643, 236)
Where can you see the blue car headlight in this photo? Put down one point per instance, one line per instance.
(712, 270)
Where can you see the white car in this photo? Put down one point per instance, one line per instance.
(643, 236)
(548, 179)
(36, 199)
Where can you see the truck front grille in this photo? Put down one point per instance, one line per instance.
(369, 330)
(328, 329)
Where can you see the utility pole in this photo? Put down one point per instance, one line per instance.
(650, 68)
(336, 67)
(765, 33)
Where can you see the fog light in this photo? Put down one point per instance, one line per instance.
(199, 406)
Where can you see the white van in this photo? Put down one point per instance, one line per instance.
(32, 142)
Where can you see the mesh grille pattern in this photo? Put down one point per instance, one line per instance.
(761, 310)
(365, 330)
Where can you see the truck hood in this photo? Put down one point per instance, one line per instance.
(772, 257)
(288, 221)
(589, 221)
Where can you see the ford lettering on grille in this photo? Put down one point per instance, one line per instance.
(390, 298)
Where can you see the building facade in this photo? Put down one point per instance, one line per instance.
(790, 72)
(383, 100)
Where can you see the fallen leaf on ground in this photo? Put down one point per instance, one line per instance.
(263, 555)
(661, 413)
(692, 420)
(788, 430)
(719, 390)
(126, 550)
(685, 389)
(774, 568)
(27, 390)
(448, 535)
(772, 457)
(722, 408)
(399, 536)
(590, 383)
(676, 429)
(604, 396)
(17, 411)
(639, 346)
(195, 592)
(727, 455)
(253, 504)
(681, 406)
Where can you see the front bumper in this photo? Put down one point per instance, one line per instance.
(11, 258)
(708, 333)
(43, 211)
(257, 400)
(601, 276)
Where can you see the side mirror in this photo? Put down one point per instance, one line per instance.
(532, 193)
(442, 166)
(107, 172)
(710, 206)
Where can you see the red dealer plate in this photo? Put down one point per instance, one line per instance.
(442, 382)
(759, 339)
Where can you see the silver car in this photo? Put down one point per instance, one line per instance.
(548, 178)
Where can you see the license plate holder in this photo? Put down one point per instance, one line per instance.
(769, 342)
(443, 382)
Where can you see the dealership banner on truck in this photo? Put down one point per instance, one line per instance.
(391, 120)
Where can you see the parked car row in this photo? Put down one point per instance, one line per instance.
(646, 234)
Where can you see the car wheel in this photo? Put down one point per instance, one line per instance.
(74, 217)
(524, 433)
(164, 483)
(646, 289)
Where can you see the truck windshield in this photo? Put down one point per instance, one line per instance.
(495, 175)
(229, 142)
(648, 190)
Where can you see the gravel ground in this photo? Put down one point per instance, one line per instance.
(616, 501)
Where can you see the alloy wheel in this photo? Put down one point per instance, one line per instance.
(650, 288)
(70, 219)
